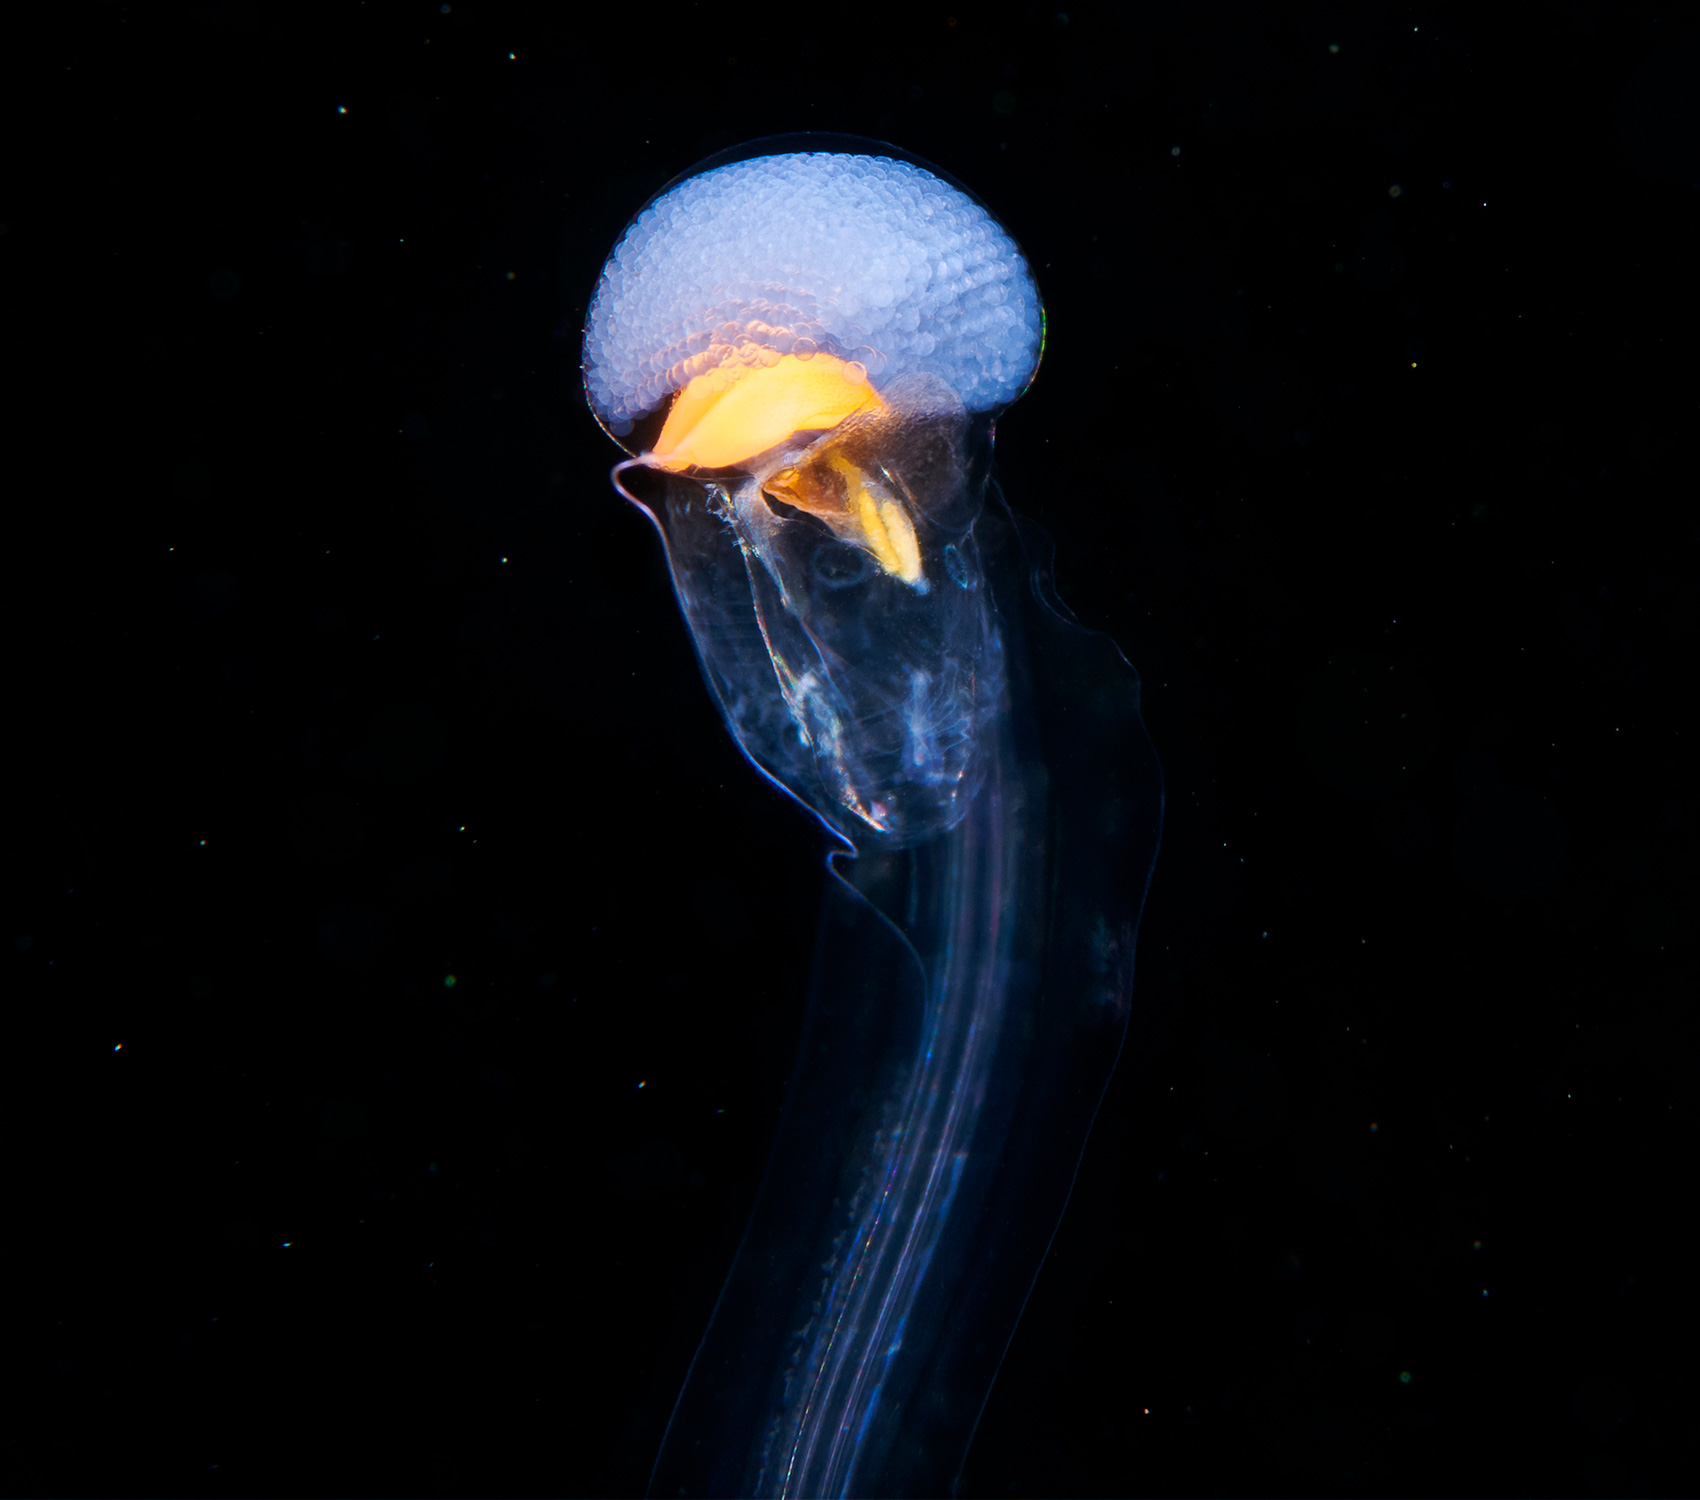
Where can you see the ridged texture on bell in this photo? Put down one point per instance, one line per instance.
(870, 259)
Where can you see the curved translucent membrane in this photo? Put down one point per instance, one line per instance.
(886, 648)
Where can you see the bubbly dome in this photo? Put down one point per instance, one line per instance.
(872, 260)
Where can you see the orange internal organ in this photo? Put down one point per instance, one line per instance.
(857, 507)
(728, 415)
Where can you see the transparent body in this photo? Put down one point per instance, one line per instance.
(885, 646)
(868, 695)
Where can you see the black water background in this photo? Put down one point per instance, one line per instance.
(336, 671)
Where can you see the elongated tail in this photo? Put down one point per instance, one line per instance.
(970, 1000)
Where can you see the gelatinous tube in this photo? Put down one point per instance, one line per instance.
(803, 346)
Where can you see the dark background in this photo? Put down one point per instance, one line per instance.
(401, 966)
